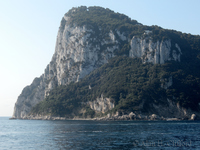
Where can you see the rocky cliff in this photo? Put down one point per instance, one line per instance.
(155, 52)
(78, 52)
(80, 49)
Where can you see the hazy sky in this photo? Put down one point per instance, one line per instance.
(28, 30)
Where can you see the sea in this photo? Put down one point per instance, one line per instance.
(98, 135)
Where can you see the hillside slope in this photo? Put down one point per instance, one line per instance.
(125, 85)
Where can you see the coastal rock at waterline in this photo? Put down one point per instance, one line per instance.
(193, 117)
(154, 117)
(132, 116)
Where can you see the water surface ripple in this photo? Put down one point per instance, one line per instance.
(103, 135)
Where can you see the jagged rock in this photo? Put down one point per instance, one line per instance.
(102, 104)
(153, 117)
(193, 117)
(132, 116)
(116, 114)
(155, 52)
(108, 115)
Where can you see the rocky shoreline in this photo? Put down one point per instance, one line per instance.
(131, 116)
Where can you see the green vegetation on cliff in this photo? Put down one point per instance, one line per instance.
(129, 83)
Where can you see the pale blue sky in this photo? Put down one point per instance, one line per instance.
(28, 30)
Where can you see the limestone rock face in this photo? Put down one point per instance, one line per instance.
(30, 96)
(193, 117)
(80, 50)
(102, 104)
(156, 52)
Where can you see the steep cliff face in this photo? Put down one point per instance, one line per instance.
(80, 50)
(30, 96)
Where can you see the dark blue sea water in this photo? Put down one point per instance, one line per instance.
(92, 135)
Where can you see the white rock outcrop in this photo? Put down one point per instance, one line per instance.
(156, 52)
(102, 104)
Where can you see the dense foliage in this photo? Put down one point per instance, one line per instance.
(129, 83)
(104, 18)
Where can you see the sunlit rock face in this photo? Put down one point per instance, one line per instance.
(29, 97)
(79, 50)
(102, 104)
(156, 52)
